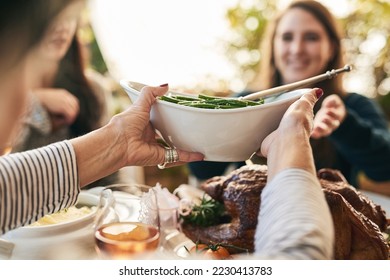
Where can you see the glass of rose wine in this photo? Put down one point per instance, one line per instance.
(134, 231)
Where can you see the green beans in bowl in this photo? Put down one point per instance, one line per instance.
(231, 132)
(209, 102)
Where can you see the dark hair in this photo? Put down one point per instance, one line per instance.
(71, 76)
(269, 76)
(22, 26)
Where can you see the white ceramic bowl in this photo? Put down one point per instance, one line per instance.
(221, 135)
(72, 239)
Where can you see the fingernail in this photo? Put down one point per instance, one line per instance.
(163, 85)
(319, 92)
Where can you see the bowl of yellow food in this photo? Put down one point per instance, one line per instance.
(222, 131)
(62, 235)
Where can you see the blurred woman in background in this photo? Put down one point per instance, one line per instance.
(350, 131)
(65, 101)
(45, 180)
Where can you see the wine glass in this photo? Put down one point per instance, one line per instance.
(134, 231)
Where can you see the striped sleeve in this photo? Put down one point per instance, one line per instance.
(36, 183)
(294, 220)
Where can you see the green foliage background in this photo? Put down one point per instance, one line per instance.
(367, 20)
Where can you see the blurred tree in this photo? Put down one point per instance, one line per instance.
(95, 58)
(366, 42)
(97, 61)
(247, 22)
(367, 45)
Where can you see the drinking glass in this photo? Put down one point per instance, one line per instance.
(134, 231)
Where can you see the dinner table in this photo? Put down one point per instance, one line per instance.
(76, 239)
(79, 244)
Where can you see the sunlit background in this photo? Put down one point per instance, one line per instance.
(212, 46)
(171, 41)
(186, 43)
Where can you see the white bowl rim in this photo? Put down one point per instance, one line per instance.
(65, 224)
(125, 83)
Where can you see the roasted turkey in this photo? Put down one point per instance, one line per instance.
(240, 193)
(357, 220)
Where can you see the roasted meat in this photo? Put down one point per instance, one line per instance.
(357, 220)
(240, 193)
(333, 180)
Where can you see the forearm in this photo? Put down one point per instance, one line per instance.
(35, 121)
(294, 220)
(296, 154)
(127, 140)
(98, 154)
(36, 183)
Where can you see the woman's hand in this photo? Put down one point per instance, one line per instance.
(329, 117)
(288, 146)
(62, 106)
(138, 135)
(127, 140)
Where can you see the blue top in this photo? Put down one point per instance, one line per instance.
(360, 143)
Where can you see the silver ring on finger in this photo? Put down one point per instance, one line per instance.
(171, 156)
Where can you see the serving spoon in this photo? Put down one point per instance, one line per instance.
(285, 88)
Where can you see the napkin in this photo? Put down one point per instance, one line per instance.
(165, 199)
(167, 202)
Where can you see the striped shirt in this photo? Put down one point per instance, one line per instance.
(36, 183)
(294, 220)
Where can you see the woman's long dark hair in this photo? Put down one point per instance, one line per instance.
(269, 76)
(23, 24)
(71, 76)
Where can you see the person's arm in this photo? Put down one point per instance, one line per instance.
(288, 146)
(36, 183)
(294, 219)
(127, 140)
(62, 106)
(36, 118)
(363, 138)
(48, 110)
(48, 179)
